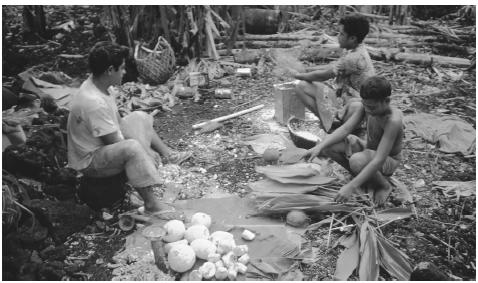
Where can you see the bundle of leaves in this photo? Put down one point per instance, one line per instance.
(366, 250)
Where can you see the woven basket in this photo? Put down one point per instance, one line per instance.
(155, 66)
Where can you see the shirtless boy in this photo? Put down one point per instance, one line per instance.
(372, 160)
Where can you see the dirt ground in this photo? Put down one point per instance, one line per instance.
(220, 157)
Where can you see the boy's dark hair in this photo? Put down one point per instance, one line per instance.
(105, 54)
(375, 87)
(355, 25)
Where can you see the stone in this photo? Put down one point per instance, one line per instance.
(101, 193)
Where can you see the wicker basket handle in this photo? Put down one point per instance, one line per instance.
(161, 42)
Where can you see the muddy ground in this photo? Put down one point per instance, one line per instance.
(221, 157)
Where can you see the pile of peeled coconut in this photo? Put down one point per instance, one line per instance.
(224, 259)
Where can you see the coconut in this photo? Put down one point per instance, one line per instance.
(169, 246)
(219, 264)
(214, 257)
(240, 250)
(203, 248)
(244, 259)
(174, 231)
(219, 235)
(241, 268)
(228, 259)
(221, 273)
(196, 232)
(271, 155)
(225, 245)
(232, 273)
(195, 275)
(296, 218)
(208, 270)
(181, 258)
(200, 218)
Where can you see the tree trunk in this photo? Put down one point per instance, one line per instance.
(237, 18)
(34, 19)
(119, 16)
(261, 21)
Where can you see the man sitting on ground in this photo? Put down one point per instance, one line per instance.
(102, 144)
(350, 71)
(372, 160)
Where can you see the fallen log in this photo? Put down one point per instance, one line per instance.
(230, 116)
(282, 36)
(425, 59)
(332, 51)
(313, 36)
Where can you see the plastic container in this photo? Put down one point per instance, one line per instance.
(223, 93)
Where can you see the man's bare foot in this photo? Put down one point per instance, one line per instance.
(381, 195)
(154, 206)
(178, 157)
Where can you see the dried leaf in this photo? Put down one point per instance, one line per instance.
(394, 261)
(456, 188)
(262, 142)
(265, 269)
(369, 265)
(348, 260)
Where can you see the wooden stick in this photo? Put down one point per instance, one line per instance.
(230, 116)
(330, 229)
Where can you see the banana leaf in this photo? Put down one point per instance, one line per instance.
(349, 258)
(291, 155)
(289, 171)
(369, 261)
(283, 204)
(394, 261)
(313, 180)
(271, 186)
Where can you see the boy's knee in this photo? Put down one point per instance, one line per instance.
(301, 86)
(139, 117)
(132, 148)
(358, 161)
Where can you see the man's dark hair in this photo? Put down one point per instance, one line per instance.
(105, 54)
(375, 87)
(355, 25)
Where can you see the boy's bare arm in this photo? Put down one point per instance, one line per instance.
(317, 68)
(317, 76)
(392, 128)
